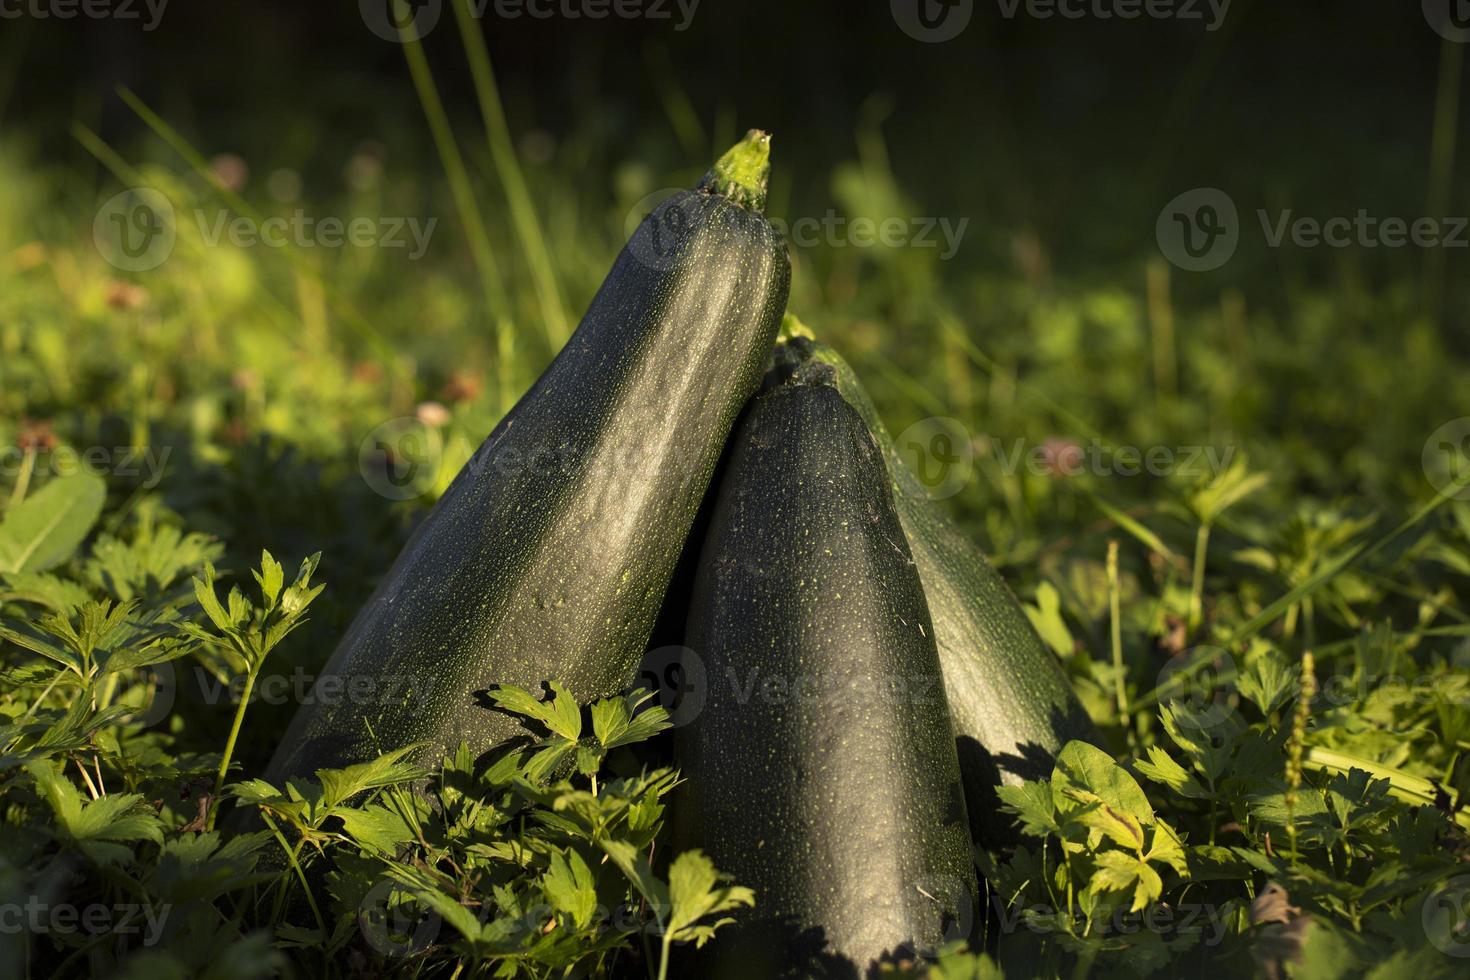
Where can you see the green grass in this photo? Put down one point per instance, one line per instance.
(1182, 602)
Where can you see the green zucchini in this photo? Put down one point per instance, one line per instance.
(1012, 705)
(548, 556)
(821, 769)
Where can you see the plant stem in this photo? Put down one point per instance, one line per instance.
(743, 173)
(1115, 610)
(1197, 580)
(508, 168)
(23, 478)
(300, 874)
(224, 763)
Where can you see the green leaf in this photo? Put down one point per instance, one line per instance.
(558, 713)
(1162, 768)
(615, 723)
(1085, 768)
(570, 887)
(1225, 491)
(1268, 682)
(424, 889)
(112, 818)
(1167, 848)
(40, 645)
(377, 828)
(270, 578)
(696, 892)
(634, 866)
(340, 785)
(1117, 825)
(46, 528)
(1046, 616)
(1032, 804)
(209, 601)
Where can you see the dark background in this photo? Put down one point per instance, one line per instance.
(1076, 129)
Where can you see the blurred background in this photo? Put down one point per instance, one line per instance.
(1085, 257)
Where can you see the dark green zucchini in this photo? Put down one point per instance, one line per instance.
(821, 770)
(548, 556)
(1012, 705)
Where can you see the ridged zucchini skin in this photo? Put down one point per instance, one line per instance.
(548, 556)
(821, 770)
(1011, 703)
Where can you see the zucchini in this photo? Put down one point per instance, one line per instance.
(1012, 705)
(821, 770)
(549, 554)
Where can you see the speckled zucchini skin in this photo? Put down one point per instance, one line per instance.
(1012, 705)
(821, 770)
(548, 556)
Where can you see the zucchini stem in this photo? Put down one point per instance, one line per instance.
(743, 173)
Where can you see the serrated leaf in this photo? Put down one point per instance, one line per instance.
(696, 892)
(570, 887)
(1167, 848)
(208, 601)
(559, 713)
(377, 828)
(270, 578)
(636, 869)
(1031, 802)
(44, 647)
(340, 785)
(1162, 768)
